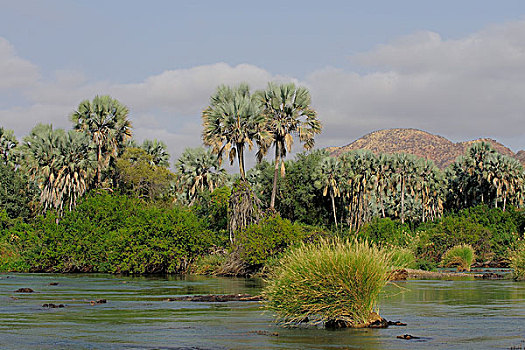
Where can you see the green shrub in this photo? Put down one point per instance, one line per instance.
(386, 231)
(461, 256)
(403, 258)
(517, 262)
(328, 281)
(112, 233)
(434, 239)
(270, 237)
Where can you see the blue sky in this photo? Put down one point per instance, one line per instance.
(449, 67)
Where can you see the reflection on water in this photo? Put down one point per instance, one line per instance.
(445, 314)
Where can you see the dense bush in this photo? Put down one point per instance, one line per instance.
(328, 281)
(490, 231)
(15, 193)
(110, 233)
(386, 231)
(271, 236)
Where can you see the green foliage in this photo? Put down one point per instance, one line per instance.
(490, 231)
(328, 281)
(140, 176)
(213, 207)
(112, 233)
(15, 193)
(299, 196)
(461, 256)
(271, 236)
(517, 262)
(210, 264)
(386, 231)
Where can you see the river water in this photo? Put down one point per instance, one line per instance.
(445, 314)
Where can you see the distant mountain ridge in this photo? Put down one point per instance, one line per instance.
(420, 143)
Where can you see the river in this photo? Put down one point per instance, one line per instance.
(444, 314)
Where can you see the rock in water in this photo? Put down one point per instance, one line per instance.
(24, 290)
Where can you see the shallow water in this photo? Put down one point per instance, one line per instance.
(459, 314)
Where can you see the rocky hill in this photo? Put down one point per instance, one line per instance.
(420, 143)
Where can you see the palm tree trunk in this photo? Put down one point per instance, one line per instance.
(333, 207)
(99, 165)
(275, 175)
(382, 204)
(240, 156)
(403, 200)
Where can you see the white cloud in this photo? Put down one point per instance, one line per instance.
(461, 88)
(15, 72)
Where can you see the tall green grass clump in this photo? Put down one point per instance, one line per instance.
(328, 281)
(517, 263)
(462, 256)
(403, 258)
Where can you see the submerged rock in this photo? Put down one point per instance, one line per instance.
(53, 284)
(492, 276)
(269, 334)
(53, 306)
(407, 337)
(374, 321)
(24, 290)
(213, 298)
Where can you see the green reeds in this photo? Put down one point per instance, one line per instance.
(517, 263)
(462, 256)
(328, 281)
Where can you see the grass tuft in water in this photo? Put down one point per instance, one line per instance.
(328, 281)
(462, 256)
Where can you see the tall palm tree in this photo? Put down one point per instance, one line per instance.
(8, 142)
(405, 177)
(158, 151)
(106, 121)
(288, 111)
(197, 170)
(232, 121)
(330, 178)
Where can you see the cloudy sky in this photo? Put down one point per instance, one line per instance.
(454, 68)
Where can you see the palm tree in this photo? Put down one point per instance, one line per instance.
(197, 170)
(8, 143)
(330, 177)
(405, 170)
(232, 121)
(158, 151)
(288, 113)
(106, 121)
(61, 163)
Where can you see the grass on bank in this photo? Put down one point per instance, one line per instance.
(462, 256)
(328, 281)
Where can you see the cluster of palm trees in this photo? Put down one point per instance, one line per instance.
(362, 185)
(484, 176)
(236, 119)
(65, 164)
